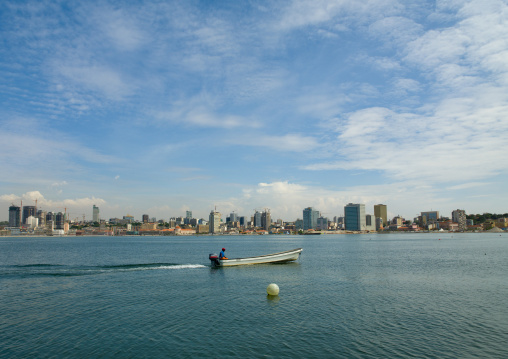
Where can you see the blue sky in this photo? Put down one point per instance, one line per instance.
(160, 107)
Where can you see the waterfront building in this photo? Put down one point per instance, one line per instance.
(14, 216)
(380, 211)
(370, 222)
(459, 217)
(398, 220)
(429, 217)
(128, 218)
(95, 213)
(298, 224)
(379, 223)
(59, 220)
(322, 224)
(27, 212)
(257, 219)
(233, 217)
(354, 215)
(50, 217)
(41, 216)
(266, 220)
(32, 222)
(202, 228)
(214, 222)
(310, 217)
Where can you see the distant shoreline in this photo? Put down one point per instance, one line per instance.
(249, 234)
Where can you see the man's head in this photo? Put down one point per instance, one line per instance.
(223, 249)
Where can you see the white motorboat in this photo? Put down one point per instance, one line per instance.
(280, 257)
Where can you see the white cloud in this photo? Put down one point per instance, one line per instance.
(285, 143)
(287, 200)
(468, 185)
(445, 146)
(202, 111)
(97, 78)
(59, 184)
(9, 198)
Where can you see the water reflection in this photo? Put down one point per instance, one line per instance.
(272, 299)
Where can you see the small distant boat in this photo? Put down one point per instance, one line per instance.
(281, 257)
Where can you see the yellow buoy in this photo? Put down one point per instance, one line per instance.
(272, 289)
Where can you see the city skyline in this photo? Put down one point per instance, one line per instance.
(162, 108)
(359, 217)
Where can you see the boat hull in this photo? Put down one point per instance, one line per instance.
(281, 257)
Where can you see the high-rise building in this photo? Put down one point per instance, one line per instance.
(370, 222)
(50, 217)
(145, 218)
(14, 216)
(257, 219)
(459, 216)
(429, 217)
(188, 214)
(95, 216)
(322, 223)
(214, 222)
(380, 212)
(59, 220)
(310, 217)
(354, 214)
(27, 212)
(32, 222)
(41, 216)
(233, 217)
(266, 220)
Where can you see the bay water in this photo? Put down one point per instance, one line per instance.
(429, 295)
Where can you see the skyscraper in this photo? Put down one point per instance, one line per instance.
(233, 217)
(95, 213)
(59, 220)
(145, 218)
(257, 219)
(380, 212)
(310, 217)
(14, 216)
(354, 214)
(266, 220)
(322, 223)
(27, 212)
(214, 222)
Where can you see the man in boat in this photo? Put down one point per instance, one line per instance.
(222, 255)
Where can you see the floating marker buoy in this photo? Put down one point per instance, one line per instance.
(272, 289)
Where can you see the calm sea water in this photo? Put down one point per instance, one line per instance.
(348, 296)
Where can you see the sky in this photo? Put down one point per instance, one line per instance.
(159, 107)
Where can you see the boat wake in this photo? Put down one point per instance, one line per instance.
(55, 270)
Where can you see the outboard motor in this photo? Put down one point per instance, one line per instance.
(214, 258)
